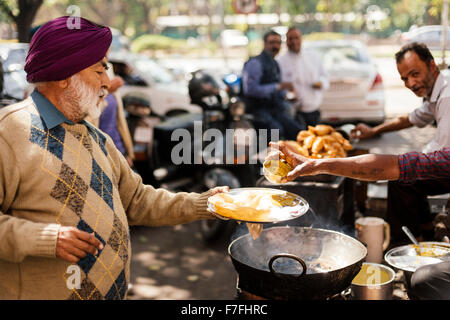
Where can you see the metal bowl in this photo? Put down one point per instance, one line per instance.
(407, 258)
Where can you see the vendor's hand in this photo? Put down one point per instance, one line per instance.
(301, 165)
(73, 244)
(362, 131)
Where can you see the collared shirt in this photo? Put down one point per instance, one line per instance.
(415, 166)
(304, 69)
(436, 108)
(50, 114)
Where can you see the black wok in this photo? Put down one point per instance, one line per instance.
(296, 262)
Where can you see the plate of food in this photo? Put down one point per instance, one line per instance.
(410, 257)
(257, 205)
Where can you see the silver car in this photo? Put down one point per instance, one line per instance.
(356, 91)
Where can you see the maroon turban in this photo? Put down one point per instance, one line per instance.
(65, 46)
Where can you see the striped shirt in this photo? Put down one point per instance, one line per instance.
(417, 166)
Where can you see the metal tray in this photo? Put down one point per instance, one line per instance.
(281, 214)
(407, 258)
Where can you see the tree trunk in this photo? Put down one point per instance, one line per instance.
(125, 16)
(23, 21)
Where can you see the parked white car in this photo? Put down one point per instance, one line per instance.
(432, 36)
(142, 74)
(356, 91)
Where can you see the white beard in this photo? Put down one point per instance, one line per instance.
(82, 100)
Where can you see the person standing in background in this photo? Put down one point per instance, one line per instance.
(304, 69)
(268, 98)
(112, 121)
(409, 202)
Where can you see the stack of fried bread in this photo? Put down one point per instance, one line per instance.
(321, 141)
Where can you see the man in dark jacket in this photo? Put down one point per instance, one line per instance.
(265, 95)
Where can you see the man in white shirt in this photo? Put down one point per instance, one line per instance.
(305, 70)
(407, 203)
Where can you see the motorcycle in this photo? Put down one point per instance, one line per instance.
(195, 152)
(223, 110)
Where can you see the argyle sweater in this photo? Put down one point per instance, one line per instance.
(72, 175)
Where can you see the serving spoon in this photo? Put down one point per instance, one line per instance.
(412, 238)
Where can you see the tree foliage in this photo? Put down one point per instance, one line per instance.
(138, 17)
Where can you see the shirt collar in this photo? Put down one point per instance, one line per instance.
(439, 84)
(50, 114)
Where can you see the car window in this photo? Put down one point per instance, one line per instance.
(151, 69)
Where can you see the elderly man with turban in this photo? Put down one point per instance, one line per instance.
(67, 195)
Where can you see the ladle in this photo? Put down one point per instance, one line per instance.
(412, 238)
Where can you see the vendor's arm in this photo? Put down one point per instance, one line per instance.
(363, 131)
(406, 167)
(369, 167)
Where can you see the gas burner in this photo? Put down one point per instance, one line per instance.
(245, 295)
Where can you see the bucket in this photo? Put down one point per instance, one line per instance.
(373, 282)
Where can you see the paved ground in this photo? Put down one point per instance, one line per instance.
(175, 263)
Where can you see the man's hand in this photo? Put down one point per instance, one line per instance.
(217, 190)
(214, 191)
(286, 86)
(73, 244)
(301, 165)
(362, 131)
